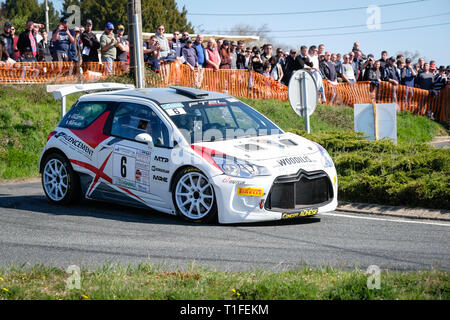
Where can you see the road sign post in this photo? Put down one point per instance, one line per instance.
(303, 95)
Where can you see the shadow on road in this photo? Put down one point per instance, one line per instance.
(106, 210)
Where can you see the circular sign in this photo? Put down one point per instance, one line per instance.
(302, 91)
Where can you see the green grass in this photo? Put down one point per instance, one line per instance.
(149, 282)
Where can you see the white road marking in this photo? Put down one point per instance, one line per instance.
(401, 220)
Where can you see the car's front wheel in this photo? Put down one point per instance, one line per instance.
(194, 196)
(61, 184)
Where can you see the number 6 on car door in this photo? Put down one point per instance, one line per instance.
(124, 167)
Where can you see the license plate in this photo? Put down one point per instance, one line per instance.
(302, 213)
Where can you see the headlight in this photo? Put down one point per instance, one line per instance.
(326, 159)
(239, 168)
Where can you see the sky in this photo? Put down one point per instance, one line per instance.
(391, 25)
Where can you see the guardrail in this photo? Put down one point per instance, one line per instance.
(240, 83)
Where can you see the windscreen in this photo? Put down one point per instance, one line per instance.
(218, 119)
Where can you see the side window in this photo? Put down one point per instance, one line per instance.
(83, 114)
(132, 119)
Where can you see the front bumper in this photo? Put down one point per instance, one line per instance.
(279, 197)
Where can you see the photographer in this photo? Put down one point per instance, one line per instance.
(152, 52)
(62, 38)
(257, 64)
(369, 64)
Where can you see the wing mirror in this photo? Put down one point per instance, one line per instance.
(145, 137)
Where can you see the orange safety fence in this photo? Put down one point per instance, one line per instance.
(239, 83)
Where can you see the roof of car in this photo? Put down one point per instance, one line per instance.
(170, 95)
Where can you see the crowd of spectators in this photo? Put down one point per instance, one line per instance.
(81, 45)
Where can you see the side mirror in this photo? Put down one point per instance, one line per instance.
(145, 137)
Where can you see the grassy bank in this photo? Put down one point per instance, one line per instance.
(378, 172)
(148, 282)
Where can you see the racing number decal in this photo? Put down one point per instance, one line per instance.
(123, 167)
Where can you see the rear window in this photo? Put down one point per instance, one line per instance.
(83, 114)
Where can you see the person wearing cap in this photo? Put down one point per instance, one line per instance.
(6, 38)
(189, 54)
(122, 45)
(233, 54)
(90, 45)
(408, 76)
(369, 64)
(108, 47)
(440, 79)
(75, 54)
(392, 76)
(62, 38)
(289, 66)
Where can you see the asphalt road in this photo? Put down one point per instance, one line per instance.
(90, 234)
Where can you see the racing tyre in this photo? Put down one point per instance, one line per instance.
(193, 196)
(61, 184)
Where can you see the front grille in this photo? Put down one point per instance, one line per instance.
(300, 190)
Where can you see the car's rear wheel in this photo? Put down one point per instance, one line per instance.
(61, 184)
(194, 196)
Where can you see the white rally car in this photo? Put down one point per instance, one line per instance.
(205, 156)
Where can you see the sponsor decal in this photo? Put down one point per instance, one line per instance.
(294, 160)
(252, 192)
(302, 213)
(125, 150)
(142, 188)
(161, 159)
(172, 106)
(75, 144)
(159, 170)
(124, 183)
(233, 181)
(159, 178)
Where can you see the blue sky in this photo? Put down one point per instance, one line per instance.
(415, 31)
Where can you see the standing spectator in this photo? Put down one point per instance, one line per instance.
(440, 79)
(152, 50)
(15, 41)
(198, 44)
(347, 73)
(108, 44)
(328, 69)
(358, 60)
(421, 62)
(4, 56)
(243, 59)
(256, 61)
(90, 44)
(425, 79)
(162, 41)
(354, 64)
(184, 38)
(356, 48)
(338, 64)
(315, 69)
(383, 60)
(190, 55)
(225, 58)
(374, 76)
(369, 64)
(62, 38)
(7, 40)
(276, 72)
(212, 56)
(280, 57)
(289, 67)
(175, 44)
(391, 75)
(44, 53)
(266, 69)
(27, 40)
(233, 54)
(122, 45)
(75, 51)
(408, 75)
(320, 50)
(267, 54)
(240, 46)
(219, 43)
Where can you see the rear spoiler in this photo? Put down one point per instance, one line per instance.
(61, 91)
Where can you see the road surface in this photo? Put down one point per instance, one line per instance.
(91, 234)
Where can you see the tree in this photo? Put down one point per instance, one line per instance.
(154, 13)
(18, 12)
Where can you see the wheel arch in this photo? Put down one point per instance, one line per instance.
(45, 155)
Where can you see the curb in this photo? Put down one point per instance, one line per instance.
(395, 211)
